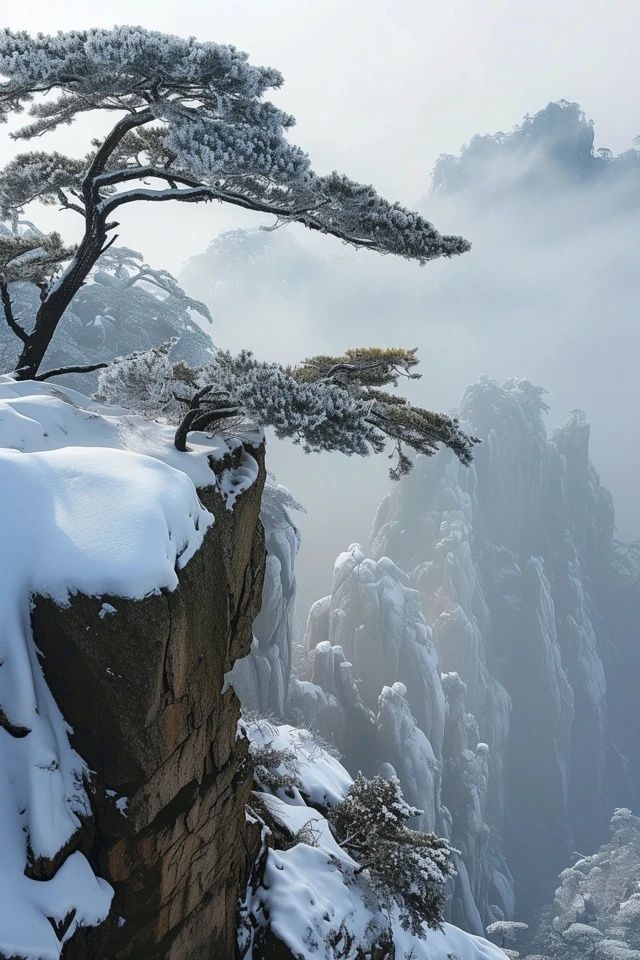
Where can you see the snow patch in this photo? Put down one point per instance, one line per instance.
(106, 610)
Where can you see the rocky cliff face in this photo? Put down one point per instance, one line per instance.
(141, 690)
(489, 638)
(377, 690)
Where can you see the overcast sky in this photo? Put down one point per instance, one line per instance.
(381, 87)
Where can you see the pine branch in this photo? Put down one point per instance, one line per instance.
(68, 204)
(104, 152)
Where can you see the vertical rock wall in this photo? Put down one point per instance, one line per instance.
(142, 690)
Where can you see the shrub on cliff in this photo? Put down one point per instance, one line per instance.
(404, 867)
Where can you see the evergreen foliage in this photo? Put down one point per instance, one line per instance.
(273, 769)
(124, 305)
(405, 867)
(325, 404)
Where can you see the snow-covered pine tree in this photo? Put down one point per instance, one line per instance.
(405, 868)
(506, 934)
(324, 404)
(192, 126)
(596, 909)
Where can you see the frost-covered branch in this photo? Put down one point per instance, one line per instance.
(345, 411)
(78, 368)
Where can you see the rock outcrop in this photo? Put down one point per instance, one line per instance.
(261, 679)
(133, 586)
(140, 683)
(512, 559)
(377, 691)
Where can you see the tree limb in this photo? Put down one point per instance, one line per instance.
(200, 193)
(68, 204)
(191, 195)
(8, 314)
(197, 419)
(105, 150)
(61, 371)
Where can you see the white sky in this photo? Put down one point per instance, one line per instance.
(381, 87)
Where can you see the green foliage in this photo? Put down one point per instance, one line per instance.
(364, 366)
(363, 371)
(322, 404)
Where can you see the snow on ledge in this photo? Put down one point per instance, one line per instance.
(93, 500)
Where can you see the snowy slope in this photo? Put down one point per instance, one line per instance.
(308, 895)
(97, 501)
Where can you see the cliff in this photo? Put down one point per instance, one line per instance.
(484, 647)
(123, 780)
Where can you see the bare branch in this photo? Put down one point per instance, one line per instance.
(203, 193)
(8, 314)
(108, 146)
(109, 244)
(140, 172)
(68, 204)
(195, 195)
(61, 371)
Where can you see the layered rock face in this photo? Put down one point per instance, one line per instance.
(140, 683)
(489, 638)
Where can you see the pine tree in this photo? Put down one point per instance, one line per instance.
(405, 867)
(193, 126)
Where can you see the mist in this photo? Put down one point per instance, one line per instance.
(548, 292)
(548, 289)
